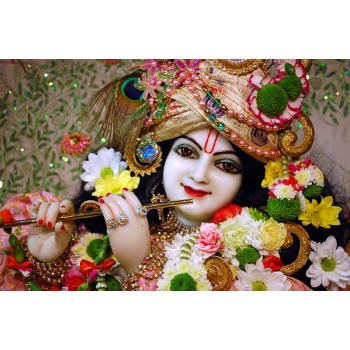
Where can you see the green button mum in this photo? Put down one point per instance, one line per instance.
(272, 100)
(292, 85)
(283, 209)
(183, 282)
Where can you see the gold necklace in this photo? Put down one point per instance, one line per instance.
(172, 224)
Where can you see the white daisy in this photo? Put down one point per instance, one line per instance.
(105, 162)
(330, 265)
(257, 278)
(304, 177)
(284, 191)
(319, 177)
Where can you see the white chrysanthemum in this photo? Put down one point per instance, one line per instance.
(105, 162)
(330, 265)
(183, 267)
(304, 177)
(257, 278)
(196, 272)
(302, 202)
(284, 191)
(163, 285)
(203, 286)
(230, 256)
(319, 177)
(240, 231)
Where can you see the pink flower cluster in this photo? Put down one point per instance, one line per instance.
(209, 239)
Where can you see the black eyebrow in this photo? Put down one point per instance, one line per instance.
(193, 140)
(225, 152)
(199, 146)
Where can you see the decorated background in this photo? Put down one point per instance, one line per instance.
(42, 145)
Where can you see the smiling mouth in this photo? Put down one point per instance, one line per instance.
(195, 193)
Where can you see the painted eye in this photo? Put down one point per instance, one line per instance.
(228, 167)
(186, 152)
(129, 90)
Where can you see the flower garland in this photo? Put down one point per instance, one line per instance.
(289, 196)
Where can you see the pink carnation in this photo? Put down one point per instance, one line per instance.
(209, 239)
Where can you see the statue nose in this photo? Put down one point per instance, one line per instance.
(200, 172)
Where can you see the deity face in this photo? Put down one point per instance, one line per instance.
(204, 166)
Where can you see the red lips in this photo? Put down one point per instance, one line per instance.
(195, 193)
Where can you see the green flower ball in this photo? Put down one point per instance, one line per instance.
(272, 100)
(292, 85)
(312, 191)
(183, 282)
(248, 255)
(283, 209)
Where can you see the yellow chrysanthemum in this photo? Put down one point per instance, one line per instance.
(321, 214)
(273, 170)
(115, 184)
(273, 234)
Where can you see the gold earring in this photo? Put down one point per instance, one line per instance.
(145, 157)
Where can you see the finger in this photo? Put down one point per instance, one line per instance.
(106, 210)
(134, 202)
(62, 234)
(42, 213)
(33, 208)
(66, 207)
(120, 206)
(51, 214)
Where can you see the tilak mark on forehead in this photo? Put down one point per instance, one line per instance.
(211, 140)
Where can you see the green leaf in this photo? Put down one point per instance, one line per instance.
(315, 104)
(342, 102)
(331, 107)
(330, 74)
(63, 125)
(33, 287)
(83, 287)
(112, 284)
(19, 254)
(13, 240)
(8, 230)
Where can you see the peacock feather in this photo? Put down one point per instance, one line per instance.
(120, 107)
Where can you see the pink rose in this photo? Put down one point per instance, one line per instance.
(209, 239)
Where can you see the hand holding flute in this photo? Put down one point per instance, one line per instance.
(126, 221)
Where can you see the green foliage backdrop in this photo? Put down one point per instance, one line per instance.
(40, 102)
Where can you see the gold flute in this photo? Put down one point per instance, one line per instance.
(97, 212)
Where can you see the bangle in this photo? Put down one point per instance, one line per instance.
(48, 274)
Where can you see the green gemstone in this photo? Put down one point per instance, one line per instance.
(158, 114)
(162, 106)
(221, 126)
(209, 94)
(160, 95)
(212, 118)
(217, 103)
